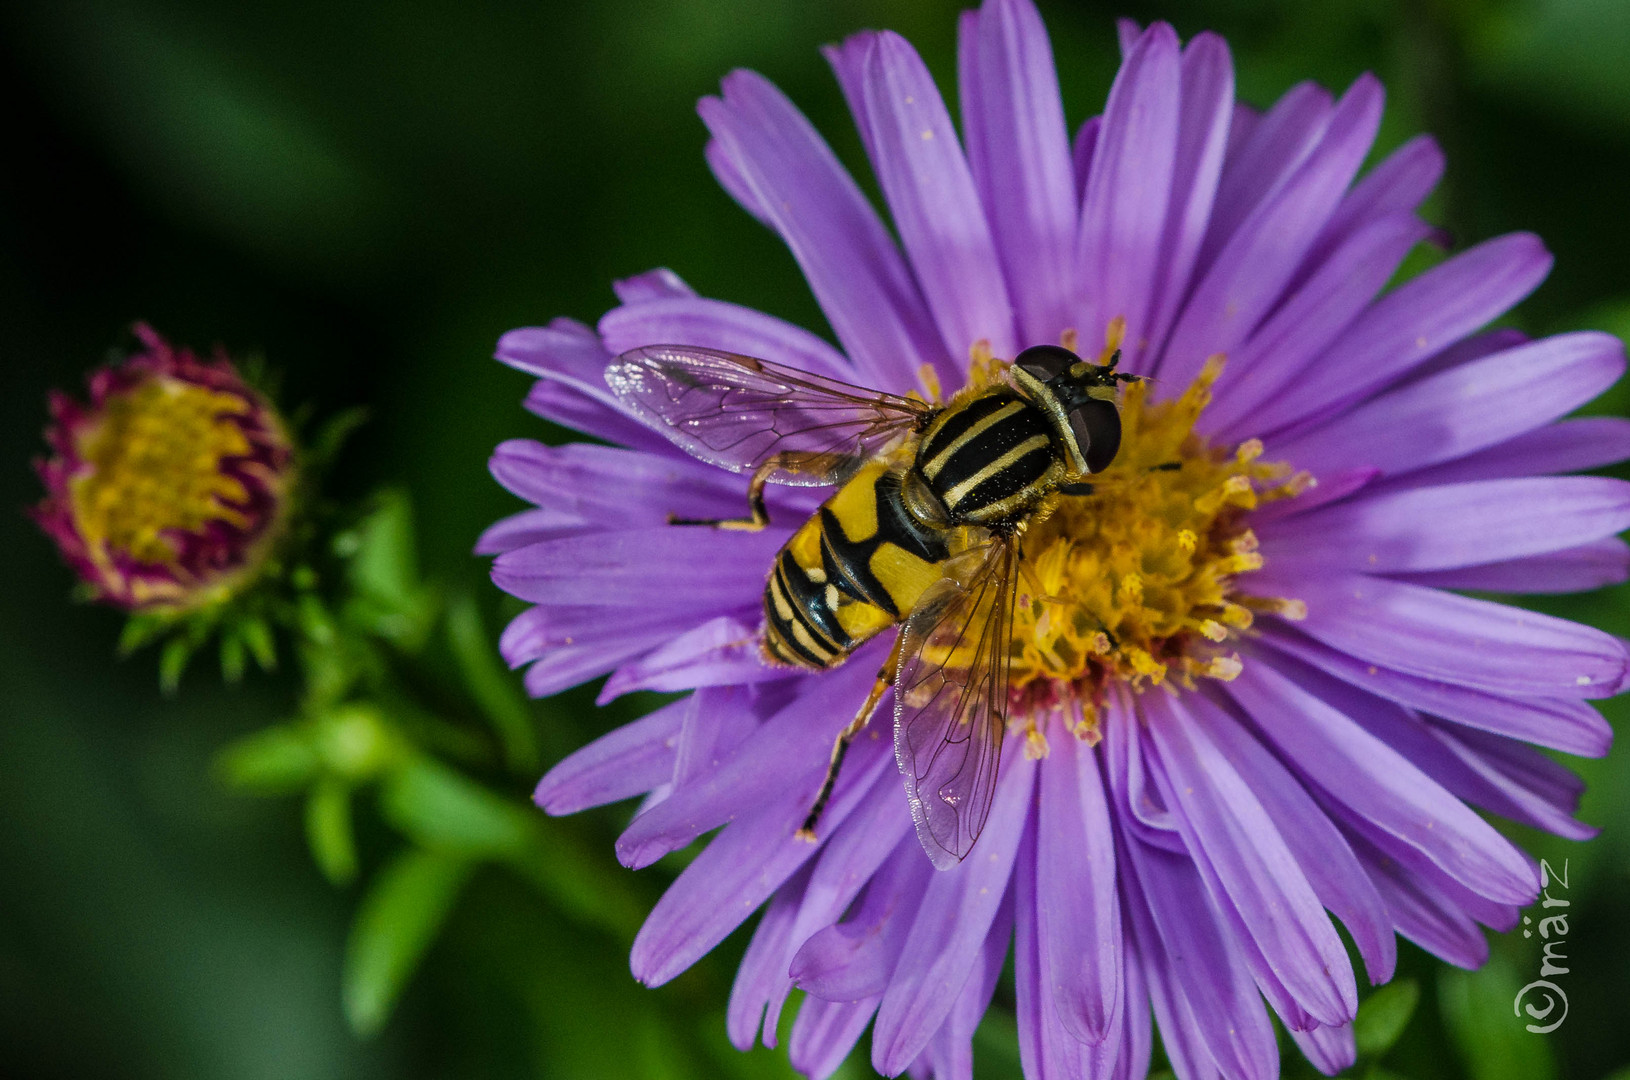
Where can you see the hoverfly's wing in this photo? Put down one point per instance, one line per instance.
(950, 702)
(740, 412)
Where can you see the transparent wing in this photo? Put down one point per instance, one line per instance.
(950, 702)
(740, 412)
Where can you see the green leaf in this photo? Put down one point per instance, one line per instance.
(331, 436)
(328, 831)
(142, 630)
(443, 809)
(492, 687)
(389, 599)
(172, 661)
(400, 916)
(257, 635)
(1383, 1016)
(355, 741)
(234, 657)
(1493, 1042)
(273, 761)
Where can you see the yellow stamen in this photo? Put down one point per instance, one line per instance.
(1140, 576)
(154, 469)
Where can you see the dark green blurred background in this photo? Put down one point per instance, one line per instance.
(369, 194)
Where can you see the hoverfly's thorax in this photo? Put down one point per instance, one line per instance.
(988, 459)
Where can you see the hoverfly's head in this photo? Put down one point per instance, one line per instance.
(1080, 399)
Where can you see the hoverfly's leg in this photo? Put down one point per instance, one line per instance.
(758, 517)
(1076, 489)
(885, 679)
(1167, 466)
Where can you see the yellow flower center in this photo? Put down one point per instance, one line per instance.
(154, 462)
(1137, 583)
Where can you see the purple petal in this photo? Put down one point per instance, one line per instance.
(735, 185)
(567, 357)
(540, 630)
(1246, 863)
(1082, 149)
(1078, 908)
(1135, 1037)
(1450, 892)
(1522, 765)
(1199, 971)
(1325, 492)
(762, 967)
(1440, 528)
(1241, 126)
(1249, 274)
(722, 570)
(1411, 324)
(717, 720)
(1263, 153)
(658, 284)
(629, 761)
(1466, 408)
(1575, 569)
(1019, 154)
(936, 210)
(1309, 320)
(1568, 725)
(565, 350)
(1379, 784)
(528, 527)
(1421, 913)
(849, 858)
(1128, 194)
(1330, 1049)
(1147, 817)
(589, 658)
(1127, 33)
(564, 405)
(1315, 843)
(1400, 183)
(720, 652)
(738, 871)
(950, 1051)
(610, 486)
(1453, 763)
(1046, 1049)
(853, 267)
(715, 324)
(1566, 446)
(851, 855)
(1466, 773)
(1440, 636)
(1204, 117)
(951, 926)
(853, 959)
(825, 1032)
(798, 737)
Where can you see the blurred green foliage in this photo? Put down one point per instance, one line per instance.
(368, 194)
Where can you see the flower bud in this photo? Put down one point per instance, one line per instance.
(168, 490)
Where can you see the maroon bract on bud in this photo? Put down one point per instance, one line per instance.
(166, 491)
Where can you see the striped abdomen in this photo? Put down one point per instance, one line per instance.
(990, 459)
(853, 570)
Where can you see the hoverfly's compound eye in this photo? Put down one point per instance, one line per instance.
(1046, 362)
(1097, 428)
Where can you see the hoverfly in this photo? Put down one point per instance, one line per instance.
(923, 534)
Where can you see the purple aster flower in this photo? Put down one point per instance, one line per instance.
(1245, 693)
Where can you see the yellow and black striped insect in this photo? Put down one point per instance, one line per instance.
(922, 534)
